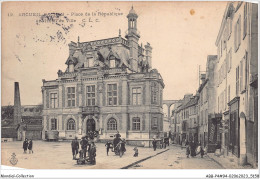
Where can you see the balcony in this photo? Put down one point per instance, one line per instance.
(67, 74)
(90, 110)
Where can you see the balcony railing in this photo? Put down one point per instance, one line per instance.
(90, 109)
(67, 74)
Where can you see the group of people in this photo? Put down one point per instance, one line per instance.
(117, 145)
(163, 143)
(193, 149)
(87, 145)
(27, 145)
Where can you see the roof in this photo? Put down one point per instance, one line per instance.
(132, 13)
(203, 85)
(193, 101)
(227, 13)
(118, 52)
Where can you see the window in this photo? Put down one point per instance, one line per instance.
(243, 73)
(71, 96)
(54, 100)
(91, 95)
(154, 123)
(112, 94)
(111, 124)
(237, 80)
(245, 21)
(229, 60)
(136, 123)
(71, 124)
(228, 93)
(241, 76)
(53, 124)
(136, 92)
(113, 62)
(237, 39)
(230, 26)
(155, 90)
(89, 62)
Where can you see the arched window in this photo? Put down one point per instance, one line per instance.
(71, 124)
(111, 124)
(136, 123)
(53, 124)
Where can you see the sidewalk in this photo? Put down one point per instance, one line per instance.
(227, 162)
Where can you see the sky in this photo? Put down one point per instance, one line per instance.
(181, 34)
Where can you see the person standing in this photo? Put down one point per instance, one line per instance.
(154, 144)
(192, 149)
(30, 146)
(84, 145)
(136, 152)
(201, 151)
(108, 146)
(92, 154)
(25, 146)
(187, 149)
(75, 147)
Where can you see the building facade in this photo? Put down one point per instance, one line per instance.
(236, 69)
(109, 85)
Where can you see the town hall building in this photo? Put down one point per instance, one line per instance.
(108, 86)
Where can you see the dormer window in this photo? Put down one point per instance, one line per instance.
(112, 62)
(89, 62)
(71, 66)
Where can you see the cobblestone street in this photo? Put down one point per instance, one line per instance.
(57, 155)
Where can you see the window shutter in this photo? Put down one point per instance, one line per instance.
(120, 93)
(239, 31)
(143, 125)
(128, 123)
(63, 96)
(241, 75)
(47, 99)
(235, 38)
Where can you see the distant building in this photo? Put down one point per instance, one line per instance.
(29, 126)
(181, 119)
(192, 108)
(109, 85)
(20, 122)
(208, 123)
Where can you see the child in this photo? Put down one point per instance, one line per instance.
(108, 146)
(25, 146)
(187, 149)
(201, 152)
(30, 146)
(136, 152)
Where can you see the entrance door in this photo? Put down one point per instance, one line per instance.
(91, 125)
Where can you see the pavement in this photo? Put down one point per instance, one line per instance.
(58, 155)
(228, 161)
(176, 158)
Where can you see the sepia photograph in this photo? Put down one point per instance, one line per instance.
(129, 85)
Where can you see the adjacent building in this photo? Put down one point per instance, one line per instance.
(109, 85)
(236, 81)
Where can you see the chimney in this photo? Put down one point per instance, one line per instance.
(202, 78)
(17, 104)
(148, 53)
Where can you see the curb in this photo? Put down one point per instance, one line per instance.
(139, 161)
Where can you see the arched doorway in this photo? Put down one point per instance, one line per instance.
(91, 125)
